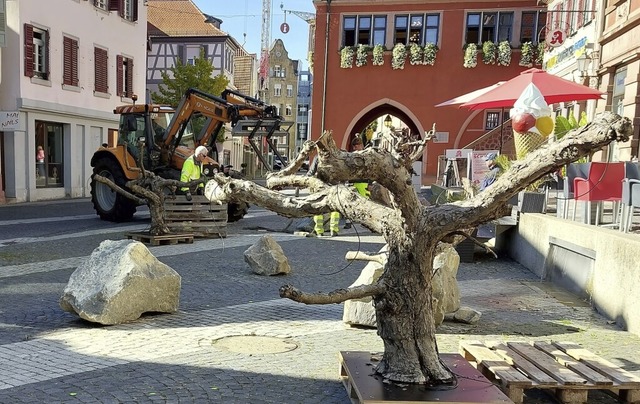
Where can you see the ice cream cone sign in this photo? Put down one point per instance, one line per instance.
(531, 120)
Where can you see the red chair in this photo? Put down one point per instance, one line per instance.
(603, 184)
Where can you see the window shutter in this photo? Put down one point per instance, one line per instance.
(67, 68)
(180, 55)
(135, 11)
(114, 5)
(47, 63)
(119, 75)
(129, 89)
(70, 61)
(3, 23)
(101, 70)
(74, 63)
(121, 8)
(28, 50)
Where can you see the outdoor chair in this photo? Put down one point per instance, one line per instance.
(574, 170)
(603, 184)
(630, 195)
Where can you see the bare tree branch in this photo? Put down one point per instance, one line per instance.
(380, 258)
(336, 296)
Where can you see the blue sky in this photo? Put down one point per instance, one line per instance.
(245, 16)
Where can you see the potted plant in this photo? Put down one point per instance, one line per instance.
(415, 54)
(470, 56)
(488, 53)
(398, 56)
(346, 57)
(430, 50)
(504, 53)
(362, 52)
(377, 57)
(527, 54)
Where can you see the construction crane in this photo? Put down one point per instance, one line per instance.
(265, 42)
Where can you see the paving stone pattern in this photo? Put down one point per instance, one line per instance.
(50, 356)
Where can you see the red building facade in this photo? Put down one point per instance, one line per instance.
(345, 100)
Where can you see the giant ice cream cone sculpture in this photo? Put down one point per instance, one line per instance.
(531, 121)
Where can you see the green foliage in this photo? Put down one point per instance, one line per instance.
(564, 125)
(186, 76)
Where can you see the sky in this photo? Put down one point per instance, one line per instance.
(242, 19)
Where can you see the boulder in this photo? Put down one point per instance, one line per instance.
(465, 315)
(120, 281)
(266, 257)
(446, 294)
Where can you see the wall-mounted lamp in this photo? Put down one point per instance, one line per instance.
(388, 121)
(587, 64)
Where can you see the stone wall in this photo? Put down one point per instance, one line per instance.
(597, 263)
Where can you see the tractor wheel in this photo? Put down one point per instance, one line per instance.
(109, 204)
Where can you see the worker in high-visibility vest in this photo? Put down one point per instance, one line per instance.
(192, 170)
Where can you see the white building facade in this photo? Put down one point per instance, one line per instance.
(64, 68)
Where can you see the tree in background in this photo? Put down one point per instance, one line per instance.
(185, 76)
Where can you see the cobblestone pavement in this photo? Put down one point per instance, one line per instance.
(50, 356)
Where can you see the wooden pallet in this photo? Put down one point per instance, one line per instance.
(365, 387)
(199, 216)
(565, 367)
(147, 238)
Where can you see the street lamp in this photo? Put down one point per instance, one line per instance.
(388, 121)
(583, 63)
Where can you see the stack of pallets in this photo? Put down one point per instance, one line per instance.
(566, 368)
(199, 216)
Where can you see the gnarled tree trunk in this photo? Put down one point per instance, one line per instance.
(403, 293)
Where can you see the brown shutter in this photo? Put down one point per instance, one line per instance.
(114, 5)
(28, 50)
(129, 89)
(119, 75)
(580, 6)
(74, 63)
(67, 68)
(101, 70)
(121, 8)
(135, 11)
(47, 64)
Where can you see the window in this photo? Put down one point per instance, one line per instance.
(101, 60)
(302, 131)
(289, 90)
(277, 90)
(617, 103)
(492, 119)
(416, 28)
(70, 61)
(127, 9)
(302, 109)
(36, 52)
(100, 4)
(532, 26)
(49, 161)
(277, 70)
(364, 29)
(124, 76)
(495, 27)
(288, 110)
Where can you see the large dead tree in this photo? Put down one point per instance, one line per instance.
(403, 294)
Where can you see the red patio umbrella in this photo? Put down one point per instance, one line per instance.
(553, 88)
(461, 99)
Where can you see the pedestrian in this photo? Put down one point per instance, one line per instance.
(40, 162)
(318, 220)
(192, 170)
(494, 171)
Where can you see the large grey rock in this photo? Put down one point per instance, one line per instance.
(266, 257)
(120, 281)
(446, 294)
